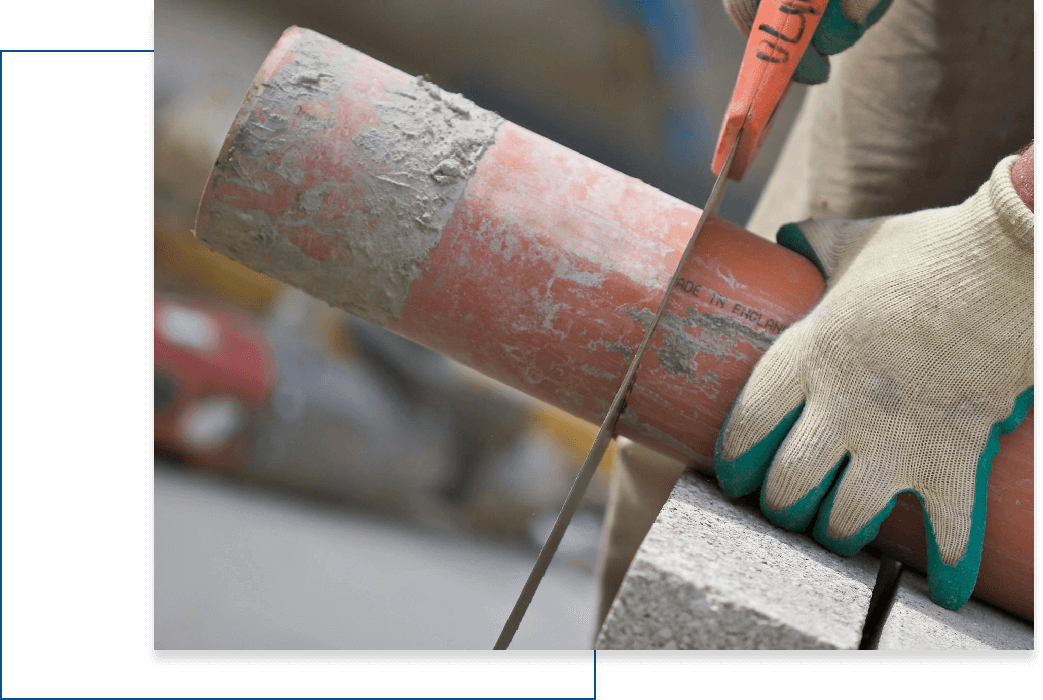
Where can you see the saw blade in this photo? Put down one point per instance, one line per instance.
(608, 426)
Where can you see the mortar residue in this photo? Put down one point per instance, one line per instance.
(417, 160)
(434, 140)
(719, 337)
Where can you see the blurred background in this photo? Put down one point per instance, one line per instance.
(321, 483)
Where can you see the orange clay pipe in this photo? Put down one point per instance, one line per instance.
(414, 208)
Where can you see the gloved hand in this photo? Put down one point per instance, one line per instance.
(843, 23)
(918, 356)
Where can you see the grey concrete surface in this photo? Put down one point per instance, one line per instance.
(242, 568)
(714, 574)
(915, 623)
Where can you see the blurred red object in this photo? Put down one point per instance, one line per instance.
(215, 372)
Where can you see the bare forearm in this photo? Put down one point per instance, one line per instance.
(1021, 175)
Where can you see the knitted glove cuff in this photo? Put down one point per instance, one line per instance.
(1012, 214)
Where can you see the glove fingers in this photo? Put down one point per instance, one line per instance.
(950, 576)
(844, 22)
(856, 506)
(865, 494)
(813, 68)
(954, 512)
(804, 468)
(955, 537)
(770, 403)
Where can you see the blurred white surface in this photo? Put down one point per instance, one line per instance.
(242, 568)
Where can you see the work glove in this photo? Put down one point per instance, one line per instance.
(843, 23)
(917, 358)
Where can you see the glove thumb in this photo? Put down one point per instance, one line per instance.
(829, 243)
(844, 23)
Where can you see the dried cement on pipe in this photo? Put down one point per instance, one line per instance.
(418, 158)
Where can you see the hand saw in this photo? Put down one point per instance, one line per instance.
(782, 30)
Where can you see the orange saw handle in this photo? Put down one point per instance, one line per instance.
(781, 33)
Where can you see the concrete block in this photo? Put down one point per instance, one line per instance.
(715, 574)
(917, 623)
